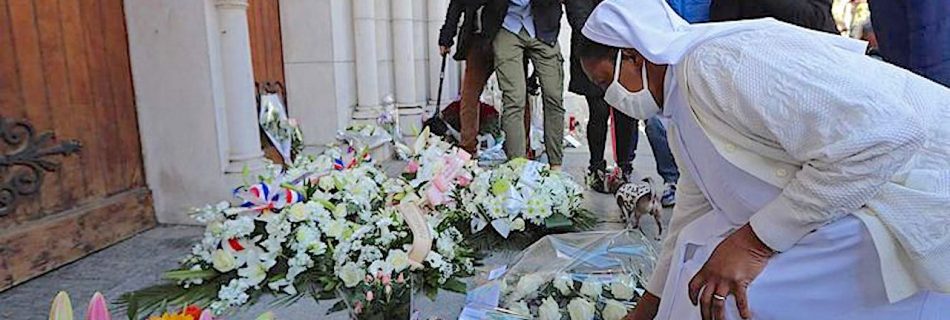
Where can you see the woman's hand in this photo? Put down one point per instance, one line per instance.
(646, 308)
(735, 263)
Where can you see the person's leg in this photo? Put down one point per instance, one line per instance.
(598, 112)
(509, 51)
(549, 64)
(665, 165)
(627, 135)
(478, 68)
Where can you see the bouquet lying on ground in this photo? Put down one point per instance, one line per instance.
(324, 227)
(576, 276)
(520, 200)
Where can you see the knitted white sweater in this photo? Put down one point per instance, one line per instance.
(841, 134)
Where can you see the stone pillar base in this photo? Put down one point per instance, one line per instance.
(410, 119)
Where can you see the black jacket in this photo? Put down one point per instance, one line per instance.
(546, 13)
(812, 14)
(577, 13)
(469, 12)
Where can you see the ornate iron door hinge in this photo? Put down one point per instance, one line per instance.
(24, 160)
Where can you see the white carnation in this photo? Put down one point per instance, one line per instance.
(622, 287)
(564, 284)
(591, 288)
(549, 310)
(580, 309)
(614, 310)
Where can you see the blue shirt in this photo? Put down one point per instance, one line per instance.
(693, 11)
(519, 16)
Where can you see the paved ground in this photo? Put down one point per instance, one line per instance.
(138, 262)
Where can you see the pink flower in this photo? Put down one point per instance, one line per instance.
(462, 154)
(369, 296)
(412, 167)
(400, 279)
(358, 307)
(385, 279)
(464, 179)
(97, 308)
(206, 315)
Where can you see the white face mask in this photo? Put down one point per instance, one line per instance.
(639, 105)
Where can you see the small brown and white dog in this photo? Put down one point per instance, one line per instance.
(637, 198)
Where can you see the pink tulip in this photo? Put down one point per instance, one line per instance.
(97, 308)
(412, 167)
(369, 296)
(385, 279)
(206, 315)
(62, 308)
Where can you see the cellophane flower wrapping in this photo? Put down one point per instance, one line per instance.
(596, 275)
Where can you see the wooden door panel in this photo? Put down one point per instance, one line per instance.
(267, 54)
(65, 70)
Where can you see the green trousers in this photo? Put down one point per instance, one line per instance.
(510, 50)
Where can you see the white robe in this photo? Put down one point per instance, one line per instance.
(832, 273)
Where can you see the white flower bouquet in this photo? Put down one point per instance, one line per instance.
(520, 200)
(326, 227)
(577, 276)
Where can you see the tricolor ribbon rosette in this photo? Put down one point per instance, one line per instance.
(263, 197)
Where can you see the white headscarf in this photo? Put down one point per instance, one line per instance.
(663, 37)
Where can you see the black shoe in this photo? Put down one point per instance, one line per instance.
(596, 180)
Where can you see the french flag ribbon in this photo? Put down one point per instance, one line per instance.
(262, 197)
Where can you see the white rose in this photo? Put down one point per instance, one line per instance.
(326, 183)
(580, 309)
(335, 228)
(528, 285)
(564, 284)
(517, 225)
(622, 288)
(549, 310)
(351, 274)
(591, 288)
(223, 261)
(398, 259)
(298, 212)
(614, 310)
(216, 228)
(520, 308)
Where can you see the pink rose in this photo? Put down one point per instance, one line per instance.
(464, 179)
(412, 167)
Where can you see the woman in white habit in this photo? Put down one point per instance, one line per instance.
(816, 180)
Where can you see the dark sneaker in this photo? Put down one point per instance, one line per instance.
(669, 195)
(596, 179)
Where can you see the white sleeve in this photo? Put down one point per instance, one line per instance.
(690, 204)
(850, 134)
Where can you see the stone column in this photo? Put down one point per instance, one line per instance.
(367, 70)
(403, 53)
(244, 142)
(407, 102)
(436, 17)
